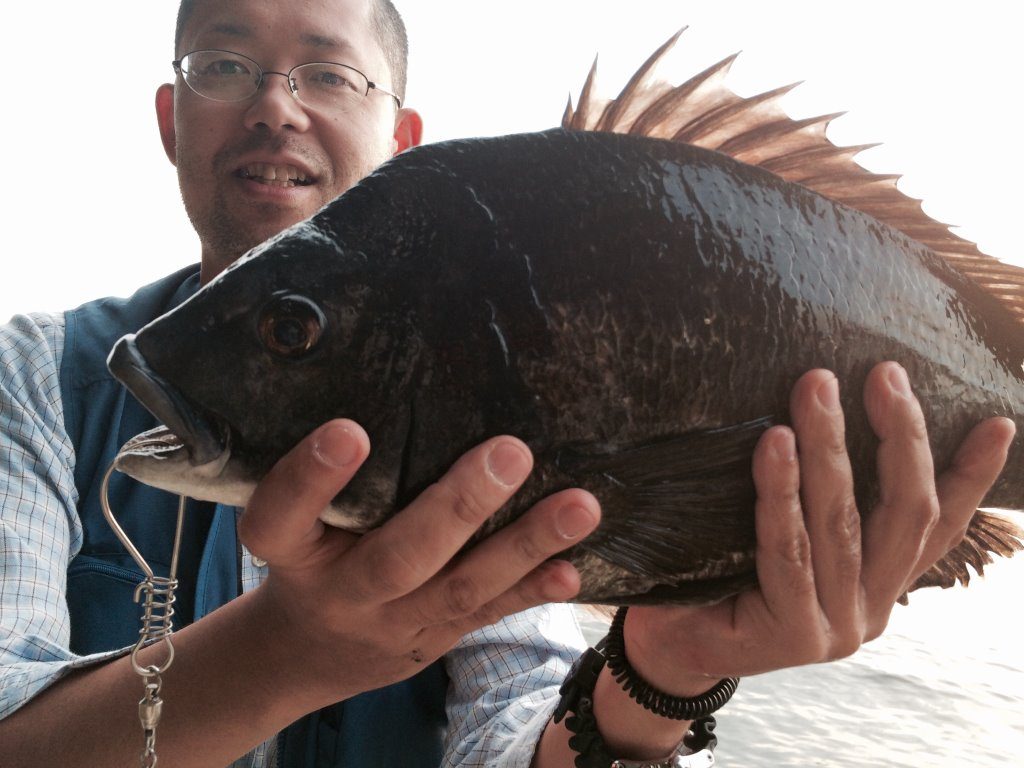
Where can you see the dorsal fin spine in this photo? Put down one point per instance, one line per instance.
(757, 131)
(633, 88)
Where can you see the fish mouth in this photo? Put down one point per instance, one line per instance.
(159, 442)
(200, 434)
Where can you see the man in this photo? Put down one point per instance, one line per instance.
(341, 619)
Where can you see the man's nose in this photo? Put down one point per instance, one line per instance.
(275, 107)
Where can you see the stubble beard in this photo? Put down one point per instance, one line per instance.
(229, 227)
(225, 232)
(226, 237)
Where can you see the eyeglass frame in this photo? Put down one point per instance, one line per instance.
(293, 88)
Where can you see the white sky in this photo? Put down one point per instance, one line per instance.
(92, 206)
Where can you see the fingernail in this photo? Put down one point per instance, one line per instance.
(336, 446)
(898, 380)
(783, 446)
(556, 576)
(573, 521)
(828, 394)
(508, 463)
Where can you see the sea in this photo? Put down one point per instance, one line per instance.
(942, 688)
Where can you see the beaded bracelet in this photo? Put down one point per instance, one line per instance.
(649, 697)
(577, 707)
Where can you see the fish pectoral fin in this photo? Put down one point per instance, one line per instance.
(987, 535)
(678, 510)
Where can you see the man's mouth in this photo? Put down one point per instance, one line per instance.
(275, 175)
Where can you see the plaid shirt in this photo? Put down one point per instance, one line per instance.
(504, 678)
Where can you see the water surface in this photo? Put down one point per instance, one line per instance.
(943, 688)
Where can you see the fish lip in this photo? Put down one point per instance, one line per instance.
(203, 440)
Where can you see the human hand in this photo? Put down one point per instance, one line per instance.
(353, 613)
(828, 580)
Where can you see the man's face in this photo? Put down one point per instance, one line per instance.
(249, 169)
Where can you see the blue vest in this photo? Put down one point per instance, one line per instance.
(402, 724)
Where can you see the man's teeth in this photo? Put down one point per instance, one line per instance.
(275, 175)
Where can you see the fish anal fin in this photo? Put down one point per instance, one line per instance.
(987, 535)
(678, 511)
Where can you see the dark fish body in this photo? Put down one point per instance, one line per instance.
(636, 310)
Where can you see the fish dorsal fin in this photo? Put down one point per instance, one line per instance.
(757, 131)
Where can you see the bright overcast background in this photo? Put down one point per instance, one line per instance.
(92, 206)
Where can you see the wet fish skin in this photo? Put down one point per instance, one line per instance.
(635, 310)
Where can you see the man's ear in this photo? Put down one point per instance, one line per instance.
(165, 120)
(408, 129)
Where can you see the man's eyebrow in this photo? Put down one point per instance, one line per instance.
(320, 42)
(324, 42)
(232, 29)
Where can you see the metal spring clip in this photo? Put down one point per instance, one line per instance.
(156, 594)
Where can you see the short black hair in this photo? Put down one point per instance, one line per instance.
(387, 25)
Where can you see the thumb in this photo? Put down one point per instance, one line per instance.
(281, 521)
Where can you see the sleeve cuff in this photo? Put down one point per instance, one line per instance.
(21, 681)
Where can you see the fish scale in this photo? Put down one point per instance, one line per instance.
(636, 310)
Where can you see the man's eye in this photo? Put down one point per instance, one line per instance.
(224, 68)
(331, 80)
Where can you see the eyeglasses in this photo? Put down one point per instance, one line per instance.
(229, 76)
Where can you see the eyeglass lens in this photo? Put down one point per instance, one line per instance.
(227, 76)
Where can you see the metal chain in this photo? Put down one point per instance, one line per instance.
(150, 709)
(156, 595)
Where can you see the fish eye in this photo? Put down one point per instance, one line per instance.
(291, 326)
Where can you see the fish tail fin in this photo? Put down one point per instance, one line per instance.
(987, 535)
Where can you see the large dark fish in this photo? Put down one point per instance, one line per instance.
(635, 309)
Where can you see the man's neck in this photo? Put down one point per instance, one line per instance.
(213, 264)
